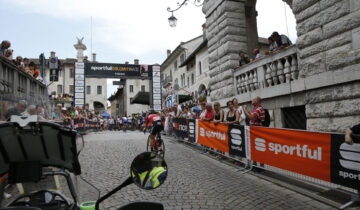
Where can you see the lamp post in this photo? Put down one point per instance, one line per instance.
(172, 19)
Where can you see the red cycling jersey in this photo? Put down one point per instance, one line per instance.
(152, 118)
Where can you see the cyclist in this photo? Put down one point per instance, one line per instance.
(157, 126)
(125, 121)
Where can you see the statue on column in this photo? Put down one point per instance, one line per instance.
(80, 48)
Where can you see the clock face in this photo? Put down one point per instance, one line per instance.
(52, 60)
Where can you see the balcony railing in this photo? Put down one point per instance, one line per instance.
(16, 84)
(270, 71)
(166, 81)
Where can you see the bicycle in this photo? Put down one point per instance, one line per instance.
(158, 147)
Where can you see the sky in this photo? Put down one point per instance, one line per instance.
(122, 30)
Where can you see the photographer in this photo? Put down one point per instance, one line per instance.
(349, 134)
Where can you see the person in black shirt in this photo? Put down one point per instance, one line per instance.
(243, 59)
(354, 130)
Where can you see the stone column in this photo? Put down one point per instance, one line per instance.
(227, 36)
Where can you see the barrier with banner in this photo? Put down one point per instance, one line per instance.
(324, 156)
(81, 124)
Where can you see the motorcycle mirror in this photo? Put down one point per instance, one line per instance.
(148, 170)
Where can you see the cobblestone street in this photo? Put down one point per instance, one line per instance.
(195, 181)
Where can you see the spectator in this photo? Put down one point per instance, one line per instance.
(32, 110)
(232, 116)
(18, 62)
(349, 132)
(209, 113)
(36, 74)
(203, 110)
(273, 45)
(243, 59)
(257, 53)
(17, 110)
(5, 45)
(56, 114)
(219, 113)
(242, 116)
(257, 114)
(9, 54)
(282, 41)
(195, 111)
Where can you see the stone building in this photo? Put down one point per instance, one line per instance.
(95, 88)
(311, 85)
(173, 72)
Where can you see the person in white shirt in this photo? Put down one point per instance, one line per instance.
(242, 117)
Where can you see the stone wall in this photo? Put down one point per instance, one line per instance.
(328, 57)
(226, 35)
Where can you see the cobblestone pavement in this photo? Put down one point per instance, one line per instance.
(195, 180)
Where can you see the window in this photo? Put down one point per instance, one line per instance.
(71, 89)
(176, 81)
(131, 99)
(99, 90)
(182, 58)
(188, 80)
(59, 89)
(143, 88)
(88, 89)
(72, 73)
(192, 79)
(171, 74)
(60, 73)
(200, 70)
(131, 88)
(175, 65)
(294, 117)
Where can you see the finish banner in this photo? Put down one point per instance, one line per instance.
(303, 152)
(113, 70)
(213, 136)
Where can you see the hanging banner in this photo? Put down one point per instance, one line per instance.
(345, 162)
(191, 129)
(306, 153)
(213, 136)
(237, 140)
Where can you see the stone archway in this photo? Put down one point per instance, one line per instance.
(98, 106)
(202, 91)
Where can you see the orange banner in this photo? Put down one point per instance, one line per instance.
(214, 136)
(306, 153)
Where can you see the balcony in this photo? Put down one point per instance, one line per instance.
(16, 84)
(273, 75)
(166, 82)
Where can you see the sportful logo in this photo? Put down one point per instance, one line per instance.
(213, 134)
(236, 136)
(351, 156)
(302, 151)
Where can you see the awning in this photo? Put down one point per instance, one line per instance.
(141, 98)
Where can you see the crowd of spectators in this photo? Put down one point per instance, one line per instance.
(22, 63)
(235, 114)
(276, 43)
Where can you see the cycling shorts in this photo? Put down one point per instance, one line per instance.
(157, 127)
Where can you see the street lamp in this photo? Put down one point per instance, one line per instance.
(172, 19)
